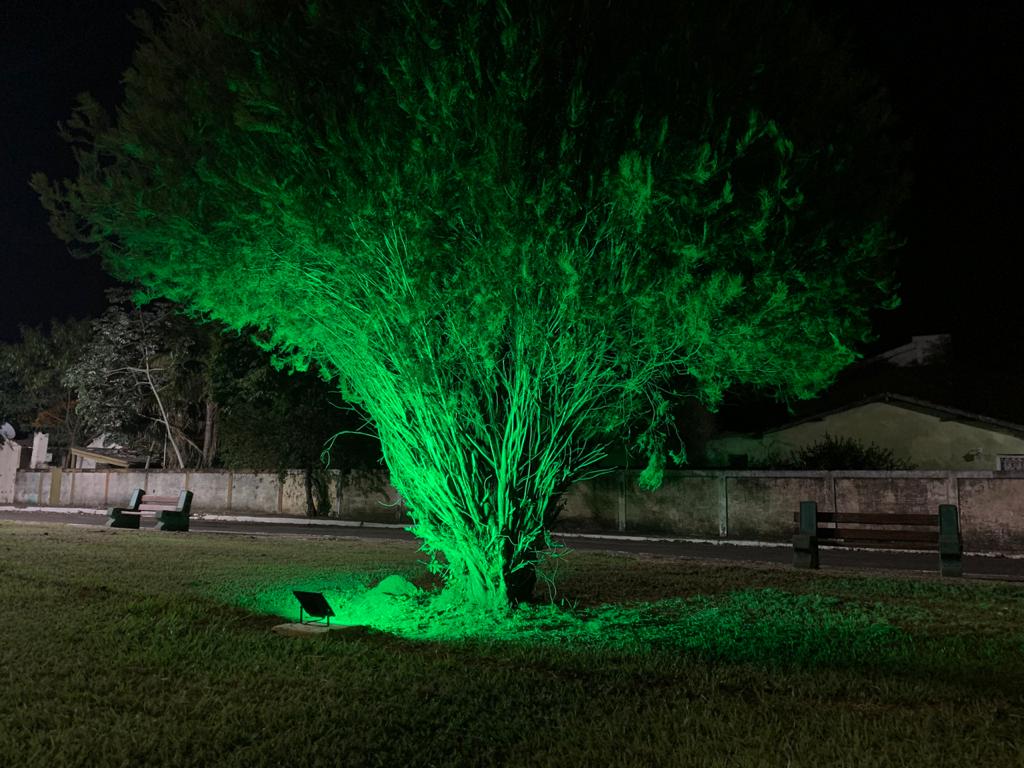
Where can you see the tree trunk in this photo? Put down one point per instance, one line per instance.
(483, 458)
(519, 584)
(210, 434)
(311, 508)
(164, 419)
(491, 544)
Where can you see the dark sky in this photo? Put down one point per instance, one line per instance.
(953, 73)
(49, 53)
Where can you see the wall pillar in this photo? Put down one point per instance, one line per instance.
(952, 489)
(831, 501)
(723, 505)
(55, 477)
(621, 516)
(339, 479)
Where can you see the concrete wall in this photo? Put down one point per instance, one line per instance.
(724, 505)
(32, 487)
(211, 490)
(685, 501)
(753, 505)
(368, 496)
(992, 512)
(357, 496)
(121, 484)
(923, 439)
(760, 505)
(594, 503)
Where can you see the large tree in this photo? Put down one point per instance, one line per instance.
(511, 231)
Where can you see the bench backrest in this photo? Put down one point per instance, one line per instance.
(150, 502)
(136, 499)
(878, 527)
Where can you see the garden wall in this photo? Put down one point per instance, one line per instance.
(759, 506)
(719, 504)
(356, 496)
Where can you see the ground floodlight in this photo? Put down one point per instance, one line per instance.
(313, 604)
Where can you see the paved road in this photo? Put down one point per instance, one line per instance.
(975, 566)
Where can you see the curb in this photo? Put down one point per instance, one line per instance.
(219, 518)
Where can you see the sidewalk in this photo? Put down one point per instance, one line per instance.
(977, 565)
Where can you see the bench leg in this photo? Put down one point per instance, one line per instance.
(805, 551)
(951, 550)
(120, 518)
(951, 565)
(172, 521)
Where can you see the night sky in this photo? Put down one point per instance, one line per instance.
(953, 74)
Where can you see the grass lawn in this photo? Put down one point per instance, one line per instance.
(132, 648)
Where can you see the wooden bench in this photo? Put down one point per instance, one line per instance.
(872, 529)
(172, 512)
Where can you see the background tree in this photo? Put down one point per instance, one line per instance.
(270, 419)
(510, 232)
(837, 453)
(142, 380)
(33, 393)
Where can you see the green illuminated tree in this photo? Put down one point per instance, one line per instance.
(510, 233)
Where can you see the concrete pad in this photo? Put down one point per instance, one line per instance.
(310, 630)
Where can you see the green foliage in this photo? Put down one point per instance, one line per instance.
(33, 393)
(503, 229)
(835, 453)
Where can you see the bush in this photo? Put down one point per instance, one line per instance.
(832, 453)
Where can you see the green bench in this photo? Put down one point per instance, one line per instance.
(872, 529)
(172, 512)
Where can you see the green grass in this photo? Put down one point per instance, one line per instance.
(139, 648)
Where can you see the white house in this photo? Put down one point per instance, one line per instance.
(928, 435)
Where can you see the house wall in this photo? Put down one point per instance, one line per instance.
(925, 440)
(718, 505)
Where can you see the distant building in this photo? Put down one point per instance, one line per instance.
(27, 453)
(907, 400)
(99, 455)
(926, 434)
